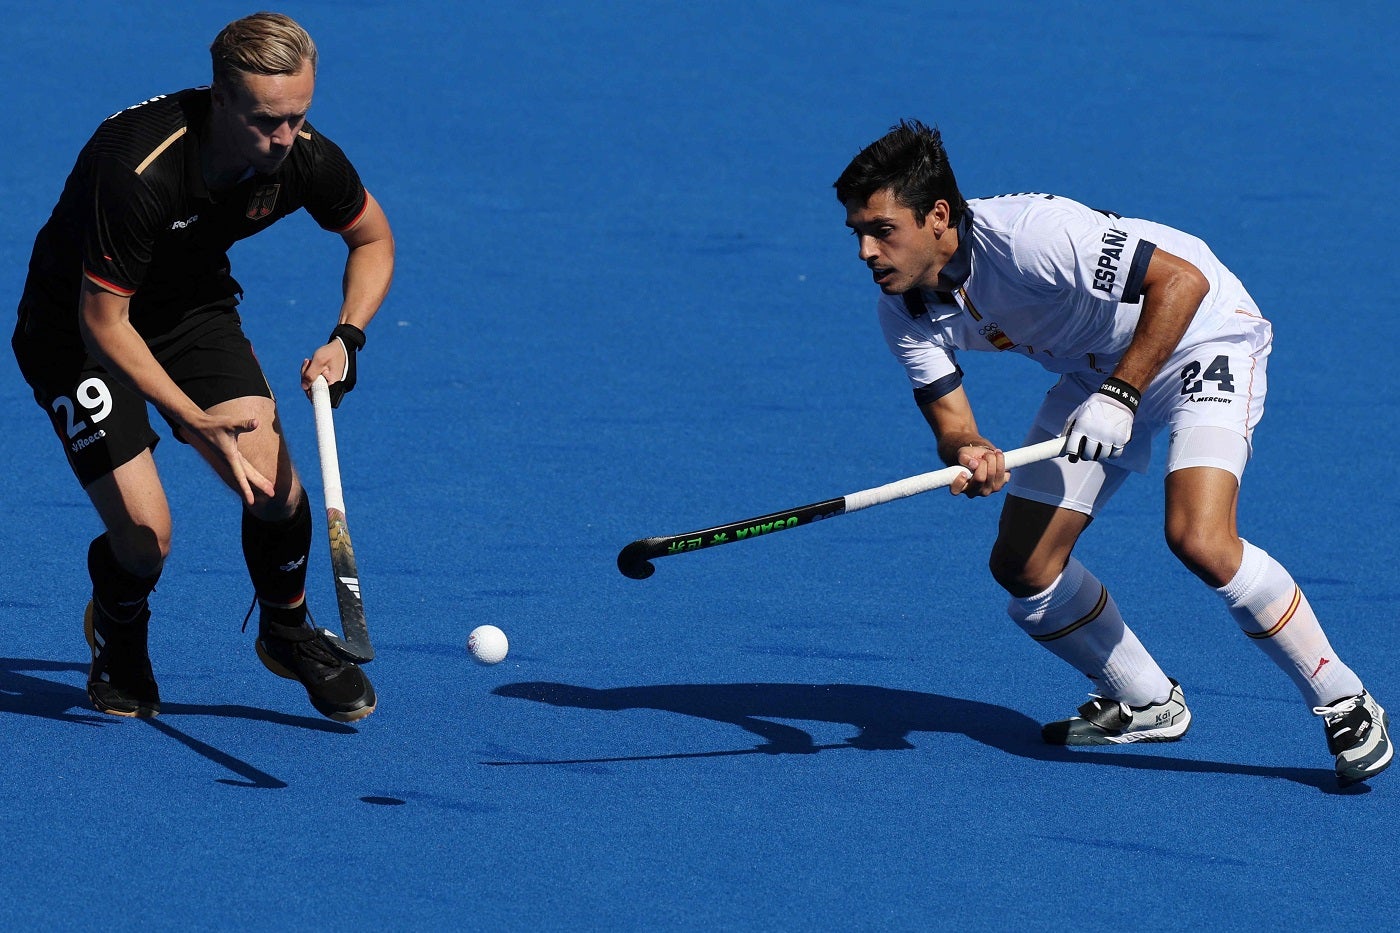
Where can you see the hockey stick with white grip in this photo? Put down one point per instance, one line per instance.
(355, 645)
(635, 559)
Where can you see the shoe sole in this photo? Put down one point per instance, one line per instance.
(354, 715)
(142, 710)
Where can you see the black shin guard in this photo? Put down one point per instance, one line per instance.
(276, 555)
(118, 593)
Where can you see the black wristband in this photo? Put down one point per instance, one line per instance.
(354, 337)
(1123, 391)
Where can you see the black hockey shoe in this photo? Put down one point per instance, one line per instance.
(337, 688)
(120, 680)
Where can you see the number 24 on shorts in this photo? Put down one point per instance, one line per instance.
(1193, 380)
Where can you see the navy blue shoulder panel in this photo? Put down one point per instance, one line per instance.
(1132, 288)
(937, 389)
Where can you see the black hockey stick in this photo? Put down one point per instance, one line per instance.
(355, 645)
(635, 559)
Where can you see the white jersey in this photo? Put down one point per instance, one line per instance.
(1046, 277)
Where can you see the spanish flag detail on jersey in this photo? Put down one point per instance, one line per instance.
(993, 332)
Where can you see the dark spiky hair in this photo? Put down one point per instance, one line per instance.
(911, 163)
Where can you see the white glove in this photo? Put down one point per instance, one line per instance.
(1102, 424)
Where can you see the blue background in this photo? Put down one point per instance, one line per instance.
(626, 306)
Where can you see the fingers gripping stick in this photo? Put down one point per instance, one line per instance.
(355, 645)
(635, 559)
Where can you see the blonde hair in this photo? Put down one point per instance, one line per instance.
(263, 44)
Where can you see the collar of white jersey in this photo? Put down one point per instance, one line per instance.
(950, 278)
(959, 266)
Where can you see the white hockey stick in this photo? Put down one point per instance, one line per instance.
(355, 645)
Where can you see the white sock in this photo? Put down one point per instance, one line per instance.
(1270, 608)
(1079, 622)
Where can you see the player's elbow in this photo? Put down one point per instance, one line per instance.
(1186, 285)
(1194, 284)
(1174, 282)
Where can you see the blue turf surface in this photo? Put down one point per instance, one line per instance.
(626, 306)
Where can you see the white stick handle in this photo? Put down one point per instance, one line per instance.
(913, 485)
(325, 445)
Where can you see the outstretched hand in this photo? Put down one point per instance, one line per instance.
(219, 434)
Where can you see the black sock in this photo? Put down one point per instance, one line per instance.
(276, 555)
(118, 593)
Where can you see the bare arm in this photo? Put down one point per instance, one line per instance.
(369, 268)
(104, 319)
(1172, 291)
(959, 442)
(1102, 425)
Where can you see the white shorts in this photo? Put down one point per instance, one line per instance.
(1210, 396)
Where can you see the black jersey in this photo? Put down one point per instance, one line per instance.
(137, 219)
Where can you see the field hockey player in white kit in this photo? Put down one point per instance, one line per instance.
(1148, 330)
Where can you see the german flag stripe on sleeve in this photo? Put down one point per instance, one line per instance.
(108, 286)
(351, 225)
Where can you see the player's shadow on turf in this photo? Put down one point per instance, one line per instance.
(53, 699)
(883, 718)
(23, 693)
(28, 695)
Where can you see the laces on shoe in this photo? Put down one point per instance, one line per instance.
(1340, 708)
(302, 647)
(314, 647)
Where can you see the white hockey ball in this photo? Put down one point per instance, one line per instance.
(488, 644)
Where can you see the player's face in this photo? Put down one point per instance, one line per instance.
(261, 116)
(900, 252)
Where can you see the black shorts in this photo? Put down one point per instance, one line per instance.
(101, 422)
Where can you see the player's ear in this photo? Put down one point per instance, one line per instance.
(940, 215)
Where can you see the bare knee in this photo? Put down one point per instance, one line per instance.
(140, 549)
(1200, 523)
(281, 506)
(287, 492)
(1211, 554)
(1034, 542)
(1023, 575)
